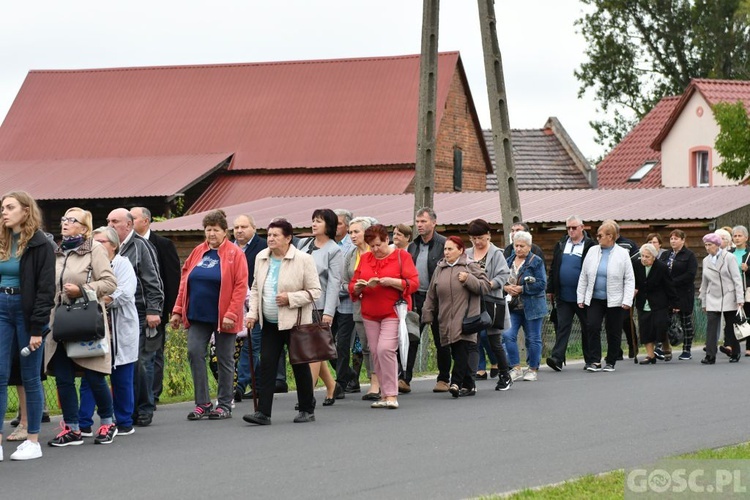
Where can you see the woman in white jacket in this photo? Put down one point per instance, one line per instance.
(721, 293)
(605, 288)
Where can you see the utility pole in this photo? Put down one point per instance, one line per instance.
(505, 170)
(424, 177)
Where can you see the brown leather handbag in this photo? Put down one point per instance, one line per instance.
(312, 342)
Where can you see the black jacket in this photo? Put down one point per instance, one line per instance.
(684, 270)
(37, 268)
(436, 246)
(170, 270)
(553, 282)
(251, 251)
(657, 287)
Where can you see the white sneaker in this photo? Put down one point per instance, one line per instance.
(516, 374)
(1, 454)
(28, 450)
(530, 376)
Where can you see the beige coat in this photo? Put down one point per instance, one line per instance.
(73, 268)
(297, 274)
(452, 300)
(721, 284)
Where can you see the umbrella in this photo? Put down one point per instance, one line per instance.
(403, 334)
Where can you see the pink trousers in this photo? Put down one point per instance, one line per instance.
(383, 339)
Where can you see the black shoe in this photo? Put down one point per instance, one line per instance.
(371, 396)
(734, 359)
(257, 418)
(631, 353)
(504, 382)
(45, 418)
(144, 420)
(281, 387)
(494, 372)
(552, 363)
(594, 367)
(303, 417)
(123, 430)
(352, 387)
(648, 361)
(338, 392)
(482, 376)
(708, 360)
(467, 392)
(327, 402)
(454, 390)
(237, 395)
(659, 354)
(726, 350)
(86, 432)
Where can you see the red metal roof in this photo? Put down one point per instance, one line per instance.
(552, 206)
(714, 92)
(234, 189)
(108, 177)
(310, 114)
(635, 150)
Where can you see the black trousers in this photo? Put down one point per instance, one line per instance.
(461, 375)
(596, 313)
(343, 330)
(496, 345)
(272, 345)
(566, 311)
(713, 324)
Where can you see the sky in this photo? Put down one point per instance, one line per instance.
(538, 41)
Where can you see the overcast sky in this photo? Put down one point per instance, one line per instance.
(539, 45)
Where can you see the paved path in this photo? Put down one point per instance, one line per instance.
(565, 425)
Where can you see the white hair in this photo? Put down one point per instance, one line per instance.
(522, 235)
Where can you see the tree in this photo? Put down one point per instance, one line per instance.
(642, 50)
(733, 141)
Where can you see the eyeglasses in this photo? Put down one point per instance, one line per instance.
(72, 220)
(601, 235)
(570, 228)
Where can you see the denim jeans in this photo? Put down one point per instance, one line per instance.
(483, 346)
(122, 397)
(65, 370)
(243, 369)
(532, 329)
(13, 338)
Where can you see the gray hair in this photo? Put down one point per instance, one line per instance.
(365, 222)
(648, 247)
(145, 212)
(574, 218)
(525, 236)
(111, 235)
(346, 214)
(740, 229)
(724, 234)
(428, 211)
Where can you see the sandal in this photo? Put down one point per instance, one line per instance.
(19, 434)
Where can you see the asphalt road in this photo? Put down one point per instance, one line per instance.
(565, 425)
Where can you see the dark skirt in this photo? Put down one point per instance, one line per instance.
(653, 325)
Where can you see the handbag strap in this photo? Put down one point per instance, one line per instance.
(316, 314)
(401, 273)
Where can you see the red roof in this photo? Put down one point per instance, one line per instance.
(714, 92)
(233, 189)
(161, 176)
(325, 113)
(635, 150)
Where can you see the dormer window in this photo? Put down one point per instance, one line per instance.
(642, 172)
(700, 167)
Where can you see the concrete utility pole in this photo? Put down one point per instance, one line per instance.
(424, 178)
(510, 203)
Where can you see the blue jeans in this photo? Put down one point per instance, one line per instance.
(64, 370)
(122, 397)
(484, 347)
(243, 369)
(532, 329)
(13, 338)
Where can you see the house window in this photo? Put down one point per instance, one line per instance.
(702, 168)
(642, 172)
(458, 169)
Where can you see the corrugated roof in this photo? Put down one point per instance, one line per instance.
(108, 177)
(549, 206)
(714, 92)
(326, 113)
(635, 150)
(235, 189)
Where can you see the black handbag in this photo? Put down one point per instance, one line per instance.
(495, 307)
(79, 321)
(311, 342)
(675, 332)
(475, 324)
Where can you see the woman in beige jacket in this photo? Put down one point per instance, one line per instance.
(81, 264)
(286, 282)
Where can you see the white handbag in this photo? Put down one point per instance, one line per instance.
(741, 325)
(87, 349)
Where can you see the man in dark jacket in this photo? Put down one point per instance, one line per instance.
(567, 260)
(426, 251)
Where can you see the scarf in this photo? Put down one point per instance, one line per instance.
(71, 242)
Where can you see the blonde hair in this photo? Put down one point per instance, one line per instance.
(86, 220)
(29, 226)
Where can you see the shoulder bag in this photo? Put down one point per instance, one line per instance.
(312, 342)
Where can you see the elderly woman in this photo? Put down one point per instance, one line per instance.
(210, 302)
(329, 261)
(726, 239)
(740, 251)
(605, 288)
(655, 296)
(383, 276)
(124, 327)
(492, 261)
(286, 282)
(528, 306)
(401, 236)
(683, 266)
(357, 228)
(455, 292)
(721, 294)
(82, 266)
(27, 290)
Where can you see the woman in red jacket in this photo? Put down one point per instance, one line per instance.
(211, 301)
(383, 276)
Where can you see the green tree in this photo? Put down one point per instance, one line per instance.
(642, 50)
(733, 141)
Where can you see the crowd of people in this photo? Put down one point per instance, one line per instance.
(240, 299)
